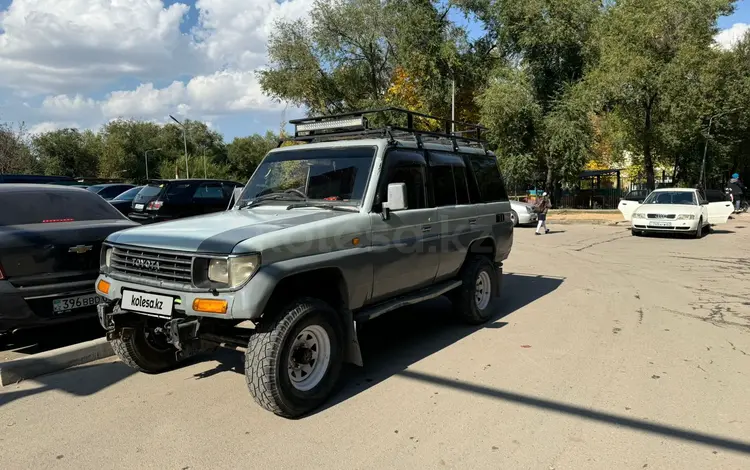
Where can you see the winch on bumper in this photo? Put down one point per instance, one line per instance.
(183, 333)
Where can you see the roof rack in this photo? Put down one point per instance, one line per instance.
(388, 122)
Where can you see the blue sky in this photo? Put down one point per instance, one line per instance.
(83, 62)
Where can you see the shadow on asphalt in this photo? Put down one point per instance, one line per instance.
(80, 381)
(580, 412)
(393, 342)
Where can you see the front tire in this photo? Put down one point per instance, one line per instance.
(293, 364)
(514, 218)
(144, 351)
(699, 231)
(476, 301)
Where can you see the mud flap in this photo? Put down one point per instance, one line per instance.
(352, 355)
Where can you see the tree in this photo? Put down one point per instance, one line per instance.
(244, 154)
(67, 152)
(641, 45)
(539, 116)
(15, 154)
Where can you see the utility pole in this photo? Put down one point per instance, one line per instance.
(453, 106)
(184, 140)
(146, 158)
(702, 179)
(205, 172)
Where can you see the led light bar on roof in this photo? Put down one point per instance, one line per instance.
(355, 122)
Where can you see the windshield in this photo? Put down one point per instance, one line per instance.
(672, 197)
(129, 194)
(333, 174)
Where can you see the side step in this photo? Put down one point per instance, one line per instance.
(427, 293)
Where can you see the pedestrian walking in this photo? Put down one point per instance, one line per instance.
(736, 189)
(541, 207)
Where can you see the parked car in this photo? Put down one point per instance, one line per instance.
(174, 199)
(123, 202)
(522, 213)
(50, 239)
(111, 190)
(676, 210)
(324, 236)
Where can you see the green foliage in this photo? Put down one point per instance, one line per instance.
(15, 154)
(67, 152)
(244, 154)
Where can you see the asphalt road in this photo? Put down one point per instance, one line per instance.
(611, 352)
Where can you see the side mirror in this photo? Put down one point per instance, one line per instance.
(640, 201)
(396, 199)
(704, 202)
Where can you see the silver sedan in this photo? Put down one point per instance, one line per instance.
(522, 213)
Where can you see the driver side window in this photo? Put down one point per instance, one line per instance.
(404, 166)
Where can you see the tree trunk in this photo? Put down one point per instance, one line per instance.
(648, 159)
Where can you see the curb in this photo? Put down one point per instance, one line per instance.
(25, 368)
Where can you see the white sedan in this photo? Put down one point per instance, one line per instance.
(675, 210)
(522, 213)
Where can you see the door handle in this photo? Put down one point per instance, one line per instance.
(426, 228)
(472, 221)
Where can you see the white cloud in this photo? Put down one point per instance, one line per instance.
(48, 126)
(203, 96)
(66, 45)
(728, 38)
(71, 49)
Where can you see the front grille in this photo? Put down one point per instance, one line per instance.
(152, 264)
(661, 216)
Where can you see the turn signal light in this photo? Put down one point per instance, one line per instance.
(210, 305)
(103, 287)
(154, 205)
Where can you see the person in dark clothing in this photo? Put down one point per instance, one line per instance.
(541, 208)
(737, 190)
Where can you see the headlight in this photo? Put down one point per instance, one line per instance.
(638, 215)
(105, 257)
(529, 209)
(234, 271)
(685, 216)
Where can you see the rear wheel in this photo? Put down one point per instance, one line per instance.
(145, 350)
(293, 364)
(476, 301)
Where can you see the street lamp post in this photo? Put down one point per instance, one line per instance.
(702, 180)
(146, 158)
(184, 140)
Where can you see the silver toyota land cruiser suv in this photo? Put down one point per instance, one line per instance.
(351, 221)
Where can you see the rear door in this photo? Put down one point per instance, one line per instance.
(50, 237)
(210, 197)
(719, 212)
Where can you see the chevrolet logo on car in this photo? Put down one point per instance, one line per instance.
(80, 249)
(145, 264)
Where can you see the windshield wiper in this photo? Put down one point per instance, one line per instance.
(323, 205)
(269, 197)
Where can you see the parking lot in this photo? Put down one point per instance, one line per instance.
(611, 351)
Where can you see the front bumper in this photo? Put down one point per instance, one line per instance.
(526, 218)
(672, 226)
(246, 303)
(31, 307)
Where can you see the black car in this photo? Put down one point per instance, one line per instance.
(111, 190)
(123, 202)
(174, 199)
(50, 240)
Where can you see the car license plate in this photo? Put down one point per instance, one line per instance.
(147, 303)
(80, 301)
(138, 207)
(661, 224)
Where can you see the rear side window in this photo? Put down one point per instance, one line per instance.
(209, 191)
(488, 178)
(181, 193)
(448, 173)
(39, 206)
